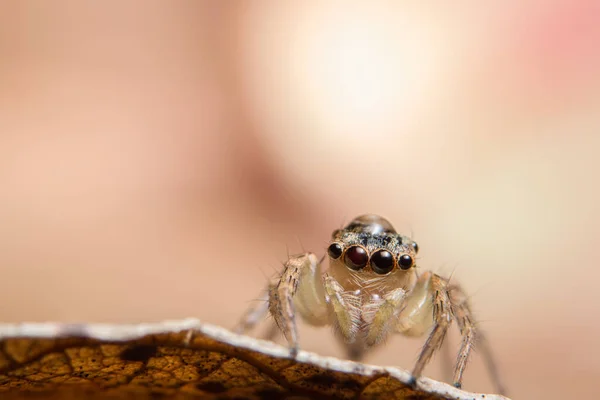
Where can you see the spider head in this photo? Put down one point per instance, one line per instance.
(370, 243)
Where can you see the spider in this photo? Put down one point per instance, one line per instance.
(371, 289)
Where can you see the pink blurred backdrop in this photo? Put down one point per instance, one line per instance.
(158, 160)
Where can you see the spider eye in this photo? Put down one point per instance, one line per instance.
(405, 261)
(334, 250)
(415, 246)
(356, 258)
(382, 262)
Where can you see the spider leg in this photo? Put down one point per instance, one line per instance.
(271, 332)
(442, 317)
(470, 334)
(299, 288)
(254, 314)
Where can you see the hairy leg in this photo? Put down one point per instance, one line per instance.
(442, 317)
(298, 287)
(271, 332)
(470, 334)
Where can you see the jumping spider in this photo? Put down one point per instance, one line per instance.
(371, 289)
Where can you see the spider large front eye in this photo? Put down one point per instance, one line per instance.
(382, 262)
(356, 258)
(334, 250)
(405, 261)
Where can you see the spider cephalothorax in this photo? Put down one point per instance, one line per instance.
(370, 290)
(371, 242)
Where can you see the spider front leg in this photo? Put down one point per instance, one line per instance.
(442, 317)
(298, 290)
(449, 302)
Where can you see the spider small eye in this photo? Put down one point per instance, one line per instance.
(356, 258)
(334, 250)
(382, 262)
(405, 261)
(415, 246)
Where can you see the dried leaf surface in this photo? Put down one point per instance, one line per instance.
(150, 360)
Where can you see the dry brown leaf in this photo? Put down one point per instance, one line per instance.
(149, 360)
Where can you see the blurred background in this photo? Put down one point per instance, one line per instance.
(158, 160)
